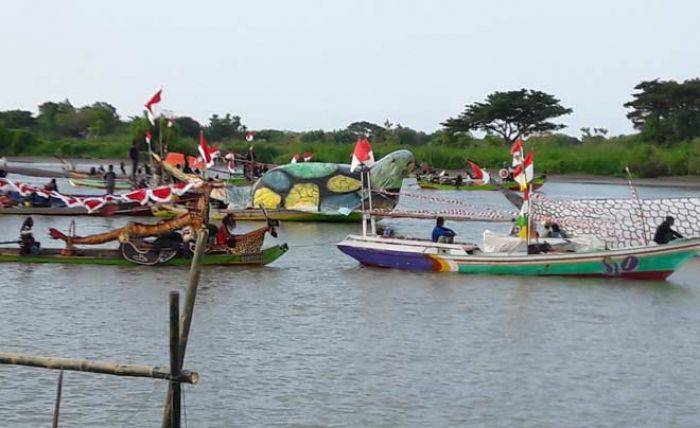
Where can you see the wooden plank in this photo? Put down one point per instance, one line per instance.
(96, 366)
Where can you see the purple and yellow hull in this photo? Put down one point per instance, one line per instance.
(642, 263)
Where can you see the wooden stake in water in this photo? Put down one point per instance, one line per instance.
(186, 318)
(57, 406)
(174, 358)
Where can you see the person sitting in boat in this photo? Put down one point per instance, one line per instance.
(552, 230)
(3, 167)
(110, 180)
(224, 235)
(664, 234)
(27, 243)
(51, 186)
(186, 168)
(101, 170)
(441, 233)
(93, 170)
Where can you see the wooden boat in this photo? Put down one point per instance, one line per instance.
(99, 183)
(651, 262)
(255, 214)
(511, 185)
(135, 210)
(114, 257)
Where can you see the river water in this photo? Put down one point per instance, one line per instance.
(315, 340)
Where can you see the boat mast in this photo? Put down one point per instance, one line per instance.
(635, 195)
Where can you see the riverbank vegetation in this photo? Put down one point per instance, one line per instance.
(666, 114)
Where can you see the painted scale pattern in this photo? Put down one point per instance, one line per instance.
(618, 222)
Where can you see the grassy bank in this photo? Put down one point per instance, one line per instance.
(554, 154)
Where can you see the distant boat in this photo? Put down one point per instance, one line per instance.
(425, 183)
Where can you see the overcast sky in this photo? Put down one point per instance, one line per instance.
(304, 65)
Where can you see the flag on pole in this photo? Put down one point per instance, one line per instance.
(524, 173)
(148, 139)
(155, 99)
(517, 147)
(249, 136)
(307, 156)
(205, 151)
(478, 173)
(295, 158)
(362, 155)
(516, 150)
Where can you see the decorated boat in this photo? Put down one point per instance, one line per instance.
(426, 183)
(523, 252)
(652, 262)
(169, 242)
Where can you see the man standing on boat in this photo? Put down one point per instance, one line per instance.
(441, 233)
(134, 155)
(110, 178)
(664, 234)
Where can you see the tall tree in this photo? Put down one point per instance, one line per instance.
(512, 114)
(221, 128)
(16, 119)
(666, 110)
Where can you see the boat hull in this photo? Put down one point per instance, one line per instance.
(114, 258)
(642, 263)
(259, 215)
(98, 183)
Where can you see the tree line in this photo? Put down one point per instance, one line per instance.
(663, 112)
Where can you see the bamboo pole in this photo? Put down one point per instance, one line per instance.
(57, 406)
(187, 311)
(95, 366)
(174, 359)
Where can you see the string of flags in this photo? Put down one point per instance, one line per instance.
(92, 204)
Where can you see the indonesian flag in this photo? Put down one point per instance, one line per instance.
(155, 99)
(523, 174)
(249, 136)
(517, 147)
(516, 150)
(478, 173)
(148, 138)
(295, 158)
(362, 155)
(307, 156)
(205, 151)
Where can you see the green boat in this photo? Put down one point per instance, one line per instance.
(114, 257)
(98, 183)
(511, 185)
(649, 262)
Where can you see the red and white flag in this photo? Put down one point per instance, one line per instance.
(362, 155)
(249, 136)
(478, 173)
(155, 99)
(516, 150)
(523, 174)
(148, 139)
(295, 158)
(307, 156)
(205, 151)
